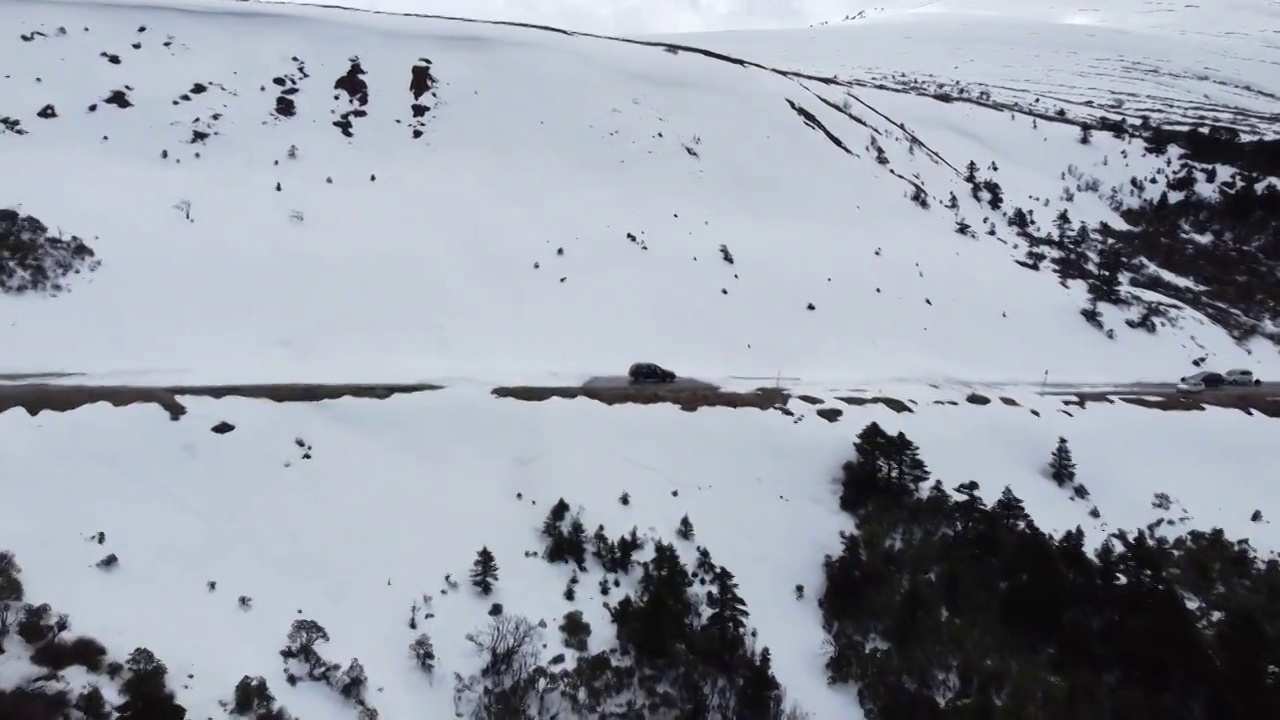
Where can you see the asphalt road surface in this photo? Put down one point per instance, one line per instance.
(1266, 389)
(622, 382)
(36, 392)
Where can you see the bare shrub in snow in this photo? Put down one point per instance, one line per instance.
(511, 678)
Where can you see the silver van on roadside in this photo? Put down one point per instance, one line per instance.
(1240, 376)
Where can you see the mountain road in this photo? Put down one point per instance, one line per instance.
(39, 392)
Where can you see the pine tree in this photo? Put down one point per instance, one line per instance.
(1084, 236)
(145, 689)
(576, 542)
(627, 546)
(1063, 223)
(685, 531)
(661, 616)
(907, 467)
(1105, 284)
(863, 475)
(603, 550)
(703, 565)
(551, 527)
(484, 572)
(729, 610)
(1061, 468)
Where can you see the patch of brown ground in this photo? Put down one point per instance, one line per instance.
(1245, 403)
(830, 414)
(893, 404)
(36, 398)
(688, 399)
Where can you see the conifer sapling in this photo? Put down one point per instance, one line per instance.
(685, 531)
(484, 571)
(1061, 467)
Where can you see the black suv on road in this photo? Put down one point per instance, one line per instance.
(644, 372)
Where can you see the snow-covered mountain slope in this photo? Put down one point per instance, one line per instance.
(288, 193)
(509, 203)
(1177, 62)
(395, 494)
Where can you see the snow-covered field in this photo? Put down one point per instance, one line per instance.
(514, 205)
(399, 492)
(1215, 62)
(383, 257)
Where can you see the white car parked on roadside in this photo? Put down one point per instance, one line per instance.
(1241, 376)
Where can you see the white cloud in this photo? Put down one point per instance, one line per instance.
(631, 17)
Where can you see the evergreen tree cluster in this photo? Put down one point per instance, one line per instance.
(567, 541)
(566, 536)
(684, 659)
(940, 606)
(684, 645)
(984, 190)
(1234, 270)
(1222, 239)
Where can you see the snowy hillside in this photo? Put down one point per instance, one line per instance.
(903, 223)
(222, 162)
(393, 495)
(1189, 62)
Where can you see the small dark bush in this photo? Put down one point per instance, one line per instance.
(32, 260)
(60, 654)
(576, 631)
(252, 696)
(424, 653)
(35, 626)
(33, 704)
(92, 705)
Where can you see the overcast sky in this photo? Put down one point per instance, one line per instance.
(636, 16)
